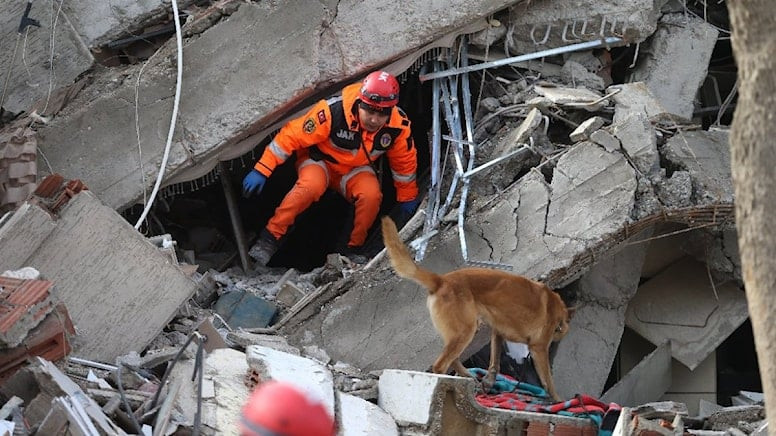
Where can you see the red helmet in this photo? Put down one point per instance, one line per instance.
(282, 409)
(380, 89)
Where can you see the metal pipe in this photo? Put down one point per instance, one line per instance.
(234, 216)
(435, 145)
(526, 57)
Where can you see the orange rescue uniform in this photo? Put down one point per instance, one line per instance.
(333, 151)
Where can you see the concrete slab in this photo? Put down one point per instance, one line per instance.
(646, 382)
(443, 404)
(585, 177)
(230, 91)
(676, 61)
(359, 417)
(635, 20)
(307, 374)
(224, 371)
(22, 232)
(706, 156)
(680, 305)
(84, 245)
(36, 70)
(99, 22)
(584, 358)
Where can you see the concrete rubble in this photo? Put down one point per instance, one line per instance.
(600, 171)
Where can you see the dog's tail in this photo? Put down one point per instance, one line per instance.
(402, 261)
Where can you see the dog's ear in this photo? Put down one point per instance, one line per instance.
(571, 311)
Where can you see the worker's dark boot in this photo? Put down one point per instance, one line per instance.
(263, 250)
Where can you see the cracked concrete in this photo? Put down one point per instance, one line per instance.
(231, 95)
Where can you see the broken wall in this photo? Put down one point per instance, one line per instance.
(119, 289)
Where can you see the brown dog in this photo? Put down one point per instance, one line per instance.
(516, 308)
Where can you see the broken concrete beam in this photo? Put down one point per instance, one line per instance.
(105, 302)
(35, 70)
(542, 24)
(583, 359)
(308, 375)
(681, 305)
(222, 68)
(676, 61)
(583, 132)
(706, 156)
(648, 380)
(360, 417)
(443, 404)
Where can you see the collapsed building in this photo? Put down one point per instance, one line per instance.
(583, 144)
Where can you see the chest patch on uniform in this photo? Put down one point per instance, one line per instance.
(347, 135)
(308, 126)
(321, 117)
(385, 140)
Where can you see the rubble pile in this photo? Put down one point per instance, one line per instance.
(596, 160)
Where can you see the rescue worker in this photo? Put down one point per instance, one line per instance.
(336, 144)
(277, 408)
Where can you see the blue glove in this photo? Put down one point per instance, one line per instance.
(408, 207)
(254, 181)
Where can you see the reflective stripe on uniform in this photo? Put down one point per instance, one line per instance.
(350, 175)
(404, 178)
(279, 152)
(316, 162)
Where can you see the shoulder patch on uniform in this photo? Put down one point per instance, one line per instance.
(405, 122)
(309, 125)
(386, 140)
(321, 116)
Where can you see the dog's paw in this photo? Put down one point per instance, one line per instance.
(487, 382)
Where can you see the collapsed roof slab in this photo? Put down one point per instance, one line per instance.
(240, 78)
(31, 67)
(682, 305)
(676, 61)
(584, 357)
(541, 24)
(115, 310)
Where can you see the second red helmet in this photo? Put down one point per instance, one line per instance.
(380, 89)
